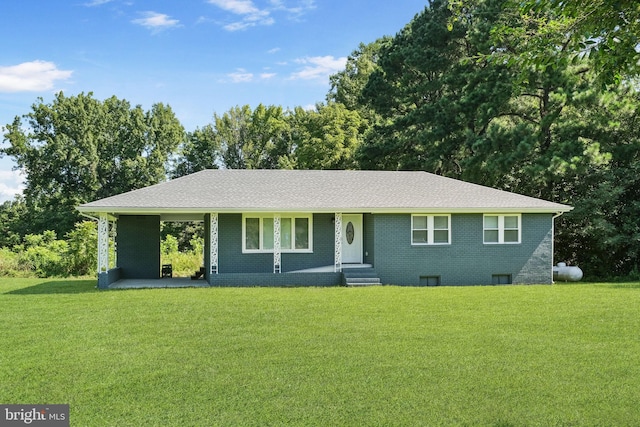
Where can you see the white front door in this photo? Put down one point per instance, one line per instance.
(351, 239)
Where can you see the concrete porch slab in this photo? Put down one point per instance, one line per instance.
(178, 282)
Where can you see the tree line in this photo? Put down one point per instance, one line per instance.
(536, 97)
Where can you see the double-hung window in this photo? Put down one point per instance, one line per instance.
(502, 229)
(430, 229)
(295, 233)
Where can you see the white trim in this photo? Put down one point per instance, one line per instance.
(277, 267)
(103, 243)
(430, 230)
(501, 229)
(337, 259)
(192, 213)
(261, 217)
(213, 243)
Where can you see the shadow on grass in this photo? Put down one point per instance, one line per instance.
(61, 286)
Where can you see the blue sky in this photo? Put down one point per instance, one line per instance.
(198, 56)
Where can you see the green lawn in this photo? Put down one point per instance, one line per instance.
(562, 355)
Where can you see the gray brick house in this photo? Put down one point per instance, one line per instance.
(323, 228)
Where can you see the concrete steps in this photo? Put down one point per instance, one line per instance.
(366, 276)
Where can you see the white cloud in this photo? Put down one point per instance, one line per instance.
(301, 7)
(156, 21)
(240, 76)
(274, 50)
(11, 183)
(97, 3)
(319, 67)
(239, 7)
(252, 15)
(34, 76)
(243, 76)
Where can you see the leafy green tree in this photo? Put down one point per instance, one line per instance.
(326, 138)
(347, 85)
(78, 149)
(434, 103)
(543, 34)
(201, 150)
(257, 139)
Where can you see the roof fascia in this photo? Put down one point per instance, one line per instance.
(163, 211)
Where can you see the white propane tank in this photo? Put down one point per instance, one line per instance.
(565, 273)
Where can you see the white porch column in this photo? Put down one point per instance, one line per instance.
(338, 243)
(213, 243)
(103, 243)
(276, 244)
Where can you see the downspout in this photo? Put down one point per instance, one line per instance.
(553, 240)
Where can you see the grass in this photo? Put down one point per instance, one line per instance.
(562, 355)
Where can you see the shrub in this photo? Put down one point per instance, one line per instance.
(10, 264)
(82, 254)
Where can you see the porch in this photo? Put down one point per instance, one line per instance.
(331, 240)
(352, 275)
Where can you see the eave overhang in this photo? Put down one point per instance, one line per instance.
(197, 214)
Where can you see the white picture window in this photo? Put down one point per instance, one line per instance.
(430, 229)
(502, 229)
(295, 233)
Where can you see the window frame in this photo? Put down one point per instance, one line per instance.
(261, 217)
(501, 229)
(431, 230)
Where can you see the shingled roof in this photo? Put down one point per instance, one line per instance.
(317, 191)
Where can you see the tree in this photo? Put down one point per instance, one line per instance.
(433, 102)
(326, 138)
(544, 34)
(200, 150)
(78, 149)
(347, 85)
(257, 139)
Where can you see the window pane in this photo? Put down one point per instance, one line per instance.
(285, 233)
(491, 222)
(491, 236)
(419, 222)
(511, 222)
(441, 222)
(252, 233)
(267, 233)
(441, 236)
(511, 236)
(419, 236)
(302, 233)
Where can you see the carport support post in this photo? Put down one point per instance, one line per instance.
(338, 243)
(213, 243)
(103, 244)
(276, 244)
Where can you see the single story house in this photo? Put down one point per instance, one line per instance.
(332, 227)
